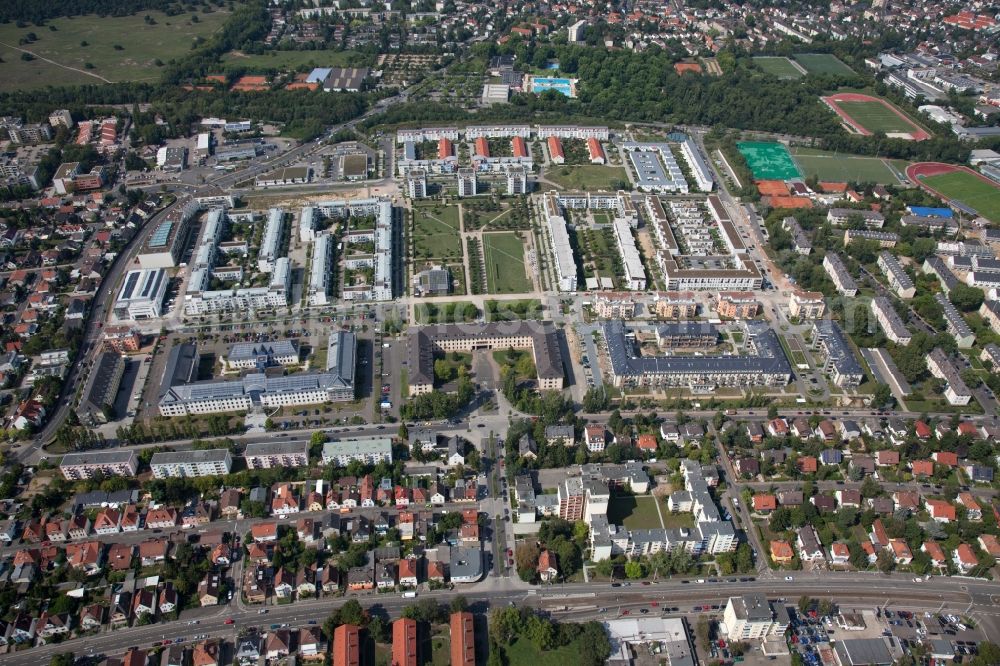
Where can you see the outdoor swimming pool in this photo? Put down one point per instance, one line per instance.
(540, 84)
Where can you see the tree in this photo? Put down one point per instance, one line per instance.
(634, 570)
(744, 558)
(805, 603)
(966, 298)
(459, 604)
(62, 659)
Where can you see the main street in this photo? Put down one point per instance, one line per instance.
(577, 601)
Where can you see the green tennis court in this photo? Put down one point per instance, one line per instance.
(768, 161)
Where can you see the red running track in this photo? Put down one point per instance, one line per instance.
(917, 134)
(925, 169)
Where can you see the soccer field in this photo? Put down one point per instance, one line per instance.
(823, 63)
(877, 117)
(778, 66)
(504, 256)
(844, 168)
(768, 161)
(970, 190)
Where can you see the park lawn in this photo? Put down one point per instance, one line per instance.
(587, 177)
(289, 60)
(436, 232)
(445, 313)
(778, 66)
(514, 310)
(142, 44)
(635, 512)
(823, 63)
(877, 117)
(503, 253)
(832, 167)
(969, 190)
(525, 652)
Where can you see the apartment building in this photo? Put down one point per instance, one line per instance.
(199, 462)
(265, 455)
(369, 450)
(898, 279)
(839, 275)
(890, 321)
(75, 466)
(806, 304)
(841, 364)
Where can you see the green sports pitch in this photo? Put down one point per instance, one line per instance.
(832, 167)
(823, 63)
(877, 117)
(768, 161)
(778, 66)
(970, 190)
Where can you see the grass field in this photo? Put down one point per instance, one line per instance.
(142, 44)
(587, 177)
(778, 66)
(877, 117)
(823, 63)
(634, 512)
(768, 161)
(969, 190)
(843, 168)
(525, 652)
(285, 60)
(505, 271)
(436, 232)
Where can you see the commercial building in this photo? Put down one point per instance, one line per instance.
(635, 273)
(956, 390)
(840, 217)
(265, 455)
(956, 325)
(764, 365)
(752, 616)
(164, 246)
(654, 167)
(260, 355)
(541, 338)
(200, 462)
(467, 185)
(806, 304)
(75, 466)
(899, 281)
(840, 362)
(434, 281)
(666, 637)
(890, 321)
(180, 395)
(839, 275)
(142, 294)
(270, 245)
(101, 388)
(495, 93)
(368, 450)
(702, 173)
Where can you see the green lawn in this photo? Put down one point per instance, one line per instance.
(768, 160)
(524, 652)
(676, 520)
(440, 645)
(778, 66)
(843, 168)
(529, 308)
(877, 117)
(436, 232)
(288, 60)
(505, 269)
(142, 44)
(823, 63)
(587, 177)
(635, 512)
(445, 313)
(970, 190)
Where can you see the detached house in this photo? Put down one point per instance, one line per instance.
(941, 511)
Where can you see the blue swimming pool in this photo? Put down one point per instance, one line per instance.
(562, 86)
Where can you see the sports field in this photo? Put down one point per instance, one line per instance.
(124, 48)
(823, 63)
(832, 167)
(505, 271)
(778, 66)
(768, 161)
(971, 190)
(867, 115)
(285, 60)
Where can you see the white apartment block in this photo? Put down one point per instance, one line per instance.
(270, 245)
(75, 466)
(368, 450)
(416, 184)
(702, 173)
(562, 250)
(467, 184)
(839, 275)
(751, 617)
(635, 274)
(211, 462)
(573, 132)
(265, 455)
(473, 132)
(426, 134)
(890, 321)
(896, 275)
(321, 270)
(806, 304)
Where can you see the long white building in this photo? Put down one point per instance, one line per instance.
(368, 450)
(270, 245)
(635, 273)
(890, 321)
(211, 462)
(201, 299)
(702, 173)
(321, 270)
(562, 251)
(573, 132)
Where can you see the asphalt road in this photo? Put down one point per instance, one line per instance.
(957, 595)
